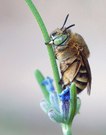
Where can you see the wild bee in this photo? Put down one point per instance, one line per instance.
(72, 53)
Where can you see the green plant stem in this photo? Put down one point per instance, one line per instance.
(40, 78)
(49, 47)
(66, 129)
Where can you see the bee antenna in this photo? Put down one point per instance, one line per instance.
(69, 26)
(65, 21)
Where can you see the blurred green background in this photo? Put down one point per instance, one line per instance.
(22, 51)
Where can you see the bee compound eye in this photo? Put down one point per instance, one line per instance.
(58, 40)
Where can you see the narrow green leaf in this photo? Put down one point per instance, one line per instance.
(73, 102)
(40, 78)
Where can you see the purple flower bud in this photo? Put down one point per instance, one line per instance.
(48, 83)
(65, 94)
(65, 103)
(64, 109)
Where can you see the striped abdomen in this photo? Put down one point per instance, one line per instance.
(81, 79)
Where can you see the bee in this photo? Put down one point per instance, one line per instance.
(72, 53)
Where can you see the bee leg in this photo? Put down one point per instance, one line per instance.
(78, 48)
(49, 43)
(64, 86)
(61, 81)
(46, 43)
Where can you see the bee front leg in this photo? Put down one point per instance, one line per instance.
(49, 43)
(62, 84)
(78, 48)
(61, 81)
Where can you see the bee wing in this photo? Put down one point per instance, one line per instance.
(72, 71)
(86, 64)
(77, 65)
(66, 64)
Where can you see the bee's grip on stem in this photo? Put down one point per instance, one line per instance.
(49, 43)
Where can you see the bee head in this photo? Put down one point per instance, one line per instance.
(59, 37)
